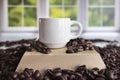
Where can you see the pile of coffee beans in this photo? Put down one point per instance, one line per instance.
(78, 45)
(111, 57)
(12, 52)
(10, 58)
(40, 47)
(80, 73)
(19, 42)
(28, 44)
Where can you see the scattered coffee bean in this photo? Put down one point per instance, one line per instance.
(37, 74)
(21, 76)
(40, 47)
(100, 78)
(78, 45)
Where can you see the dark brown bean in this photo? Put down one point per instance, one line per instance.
(37, 74)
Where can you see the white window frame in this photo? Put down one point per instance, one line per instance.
(83, 18)
(42, 11)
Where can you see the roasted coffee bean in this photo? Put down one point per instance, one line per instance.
(13, 74)
(67, 71)
(95, 69)
(37, 74)
(81, 69)
(28, 78)
(72, 77)
(78, 74)
(56, 74)
(69, 51)
(26, 74)
(90, 74)
(65, 76)
(110, 74)
(16, 79)
(59, 78)
(46, 78)
(21, 76)
(57, 70)
(100, 78)
(102, 71)
(28, 71)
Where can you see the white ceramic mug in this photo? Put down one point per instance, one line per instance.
(55, 32)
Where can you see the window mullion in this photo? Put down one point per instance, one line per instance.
(101, 13)
(6, 17)
(43, 8)
(22, 13)
(117, 15)
(63, 8)
(82, 13)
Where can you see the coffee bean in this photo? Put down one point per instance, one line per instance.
(65, 76)
(78, 74)
(110, 74)
(21, 76)
(37, 74)
(81, 69)
(46, 78)
(100, 78)
(28, 71)
(16, 79)
(28, 78)
(13, 74)
(72, 77)
(70, 51)
(90, 74)
(26, 74)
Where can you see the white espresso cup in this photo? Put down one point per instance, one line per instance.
(56, 32)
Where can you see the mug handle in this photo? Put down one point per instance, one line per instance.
(80, 29)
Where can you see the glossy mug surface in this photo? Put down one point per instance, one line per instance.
(56, 32)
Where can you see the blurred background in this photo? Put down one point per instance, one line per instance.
(100, 18)
(57, 9)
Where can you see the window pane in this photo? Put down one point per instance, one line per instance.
(71, 12)
(55, 2)
(15, 16)
(94, 2)
(30, 16)
(108, 17)
(55, 12)
(14, 2)
(65, 8)
(30, 2)
(108, 2)
(94, 17)
(70, 2)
